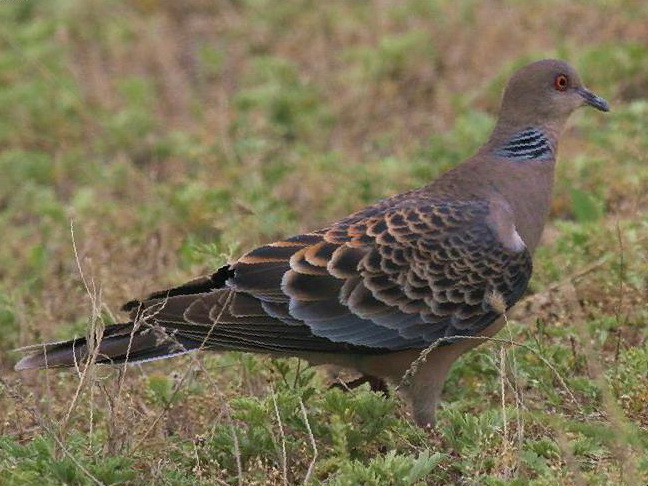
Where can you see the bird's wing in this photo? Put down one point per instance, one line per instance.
(388, 279)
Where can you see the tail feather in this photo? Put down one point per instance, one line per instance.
(201, 285)
(120, 343)
(196, 315)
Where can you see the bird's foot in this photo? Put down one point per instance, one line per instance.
(376, 384)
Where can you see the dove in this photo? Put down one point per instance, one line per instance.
(426, 269)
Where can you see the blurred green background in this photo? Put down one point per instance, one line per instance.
(164, 138)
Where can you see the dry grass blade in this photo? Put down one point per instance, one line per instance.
(570, 460)
(95, 333)
(313, 442)
(198, 364)
(283, 459)
(423, 356)
(20, 398)
(621, 434)
(173, 132)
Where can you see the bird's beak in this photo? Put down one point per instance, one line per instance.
(593, 100)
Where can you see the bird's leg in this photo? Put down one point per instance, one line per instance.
(424, 392)
(376, 384)
(425, 385)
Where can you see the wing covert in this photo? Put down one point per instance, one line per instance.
(396, 278)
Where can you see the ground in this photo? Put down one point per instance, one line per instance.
(145, 143)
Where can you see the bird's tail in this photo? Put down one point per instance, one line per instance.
(120, 343)
(199, 314)
(135, 341)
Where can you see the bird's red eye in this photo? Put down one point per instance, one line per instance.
(561, 82)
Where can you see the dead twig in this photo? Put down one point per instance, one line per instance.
(311, 466)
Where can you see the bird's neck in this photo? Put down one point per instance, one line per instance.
(517, 163)
(530, 143)
(535, 142)
(523, 158)
(527, 185)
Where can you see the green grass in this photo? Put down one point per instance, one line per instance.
(165, 138)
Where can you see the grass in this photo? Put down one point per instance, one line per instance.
(176, 135)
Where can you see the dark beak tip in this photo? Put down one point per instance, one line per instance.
(601, 105)
(594, 101)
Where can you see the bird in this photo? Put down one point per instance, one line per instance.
(427, 269)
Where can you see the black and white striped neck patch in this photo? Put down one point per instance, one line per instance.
(529, 144)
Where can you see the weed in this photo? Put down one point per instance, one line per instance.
(176, 135)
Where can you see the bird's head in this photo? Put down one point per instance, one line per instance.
(546, 92)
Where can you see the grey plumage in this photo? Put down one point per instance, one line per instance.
(374, 289)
